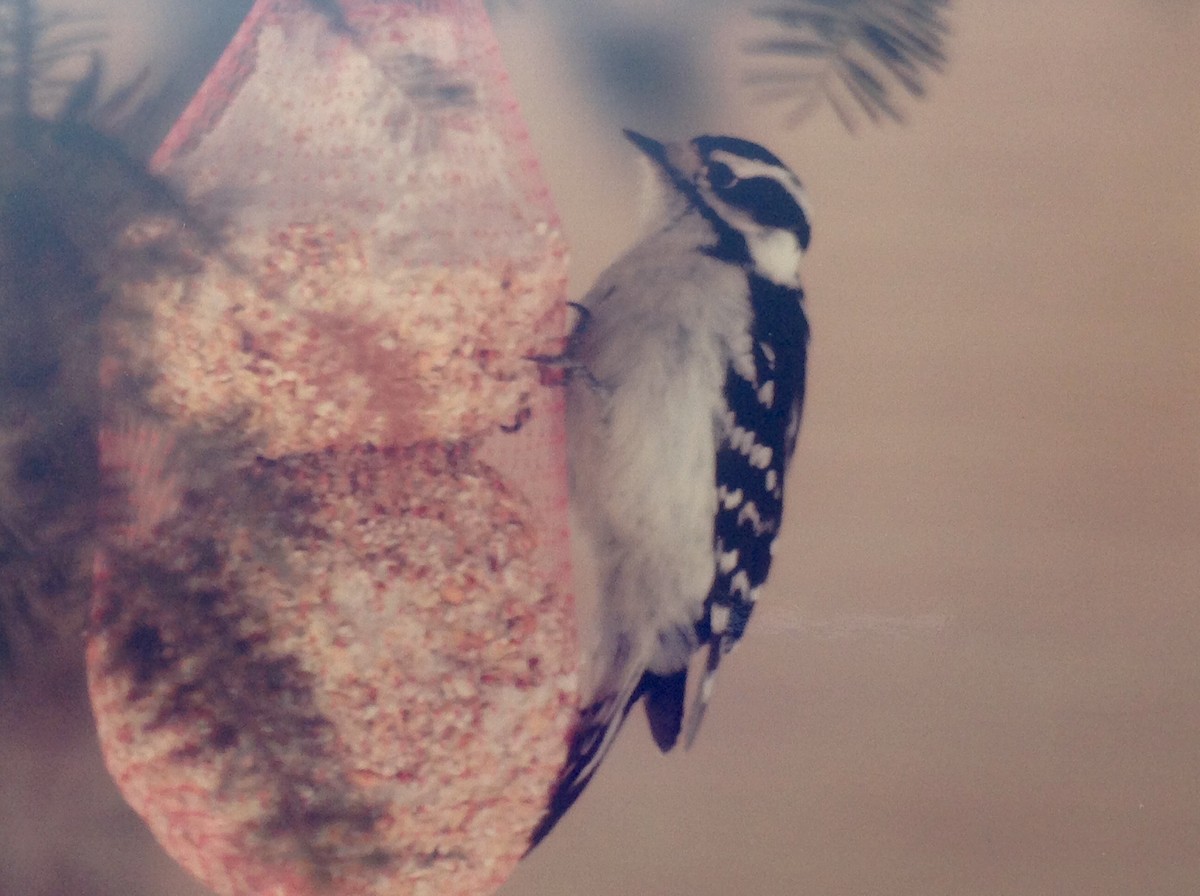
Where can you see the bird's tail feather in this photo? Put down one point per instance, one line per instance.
(664, 705)
(593, 736)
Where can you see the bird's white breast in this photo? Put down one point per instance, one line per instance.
(663, 325)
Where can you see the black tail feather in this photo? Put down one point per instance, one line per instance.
(664, 708)
(586, 740)
(664, 705)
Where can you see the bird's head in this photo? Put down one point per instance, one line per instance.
(752, 200)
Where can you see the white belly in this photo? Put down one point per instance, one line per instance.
(641, 441)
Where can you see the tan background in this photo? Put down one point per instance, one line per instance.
(976, 670)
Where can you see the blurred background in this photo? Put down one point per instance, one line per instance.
(976, 667)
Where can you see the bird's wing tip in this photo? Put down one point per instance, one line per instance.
(703, 693)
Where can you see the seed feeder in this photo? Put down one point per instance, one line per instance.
(333, 645)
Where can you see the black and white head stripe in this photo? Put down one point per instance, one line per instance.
(754, 203)
(707, 144)
(745, 176)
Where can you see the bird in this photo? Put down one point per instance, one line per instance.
(684, 375)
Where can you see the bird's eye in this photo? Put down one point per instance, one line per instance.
(721, 176)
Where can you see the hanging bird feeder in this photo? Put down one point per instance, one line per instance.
(333, 644)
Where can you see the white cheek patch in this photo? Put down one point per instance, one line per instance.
(776, 255)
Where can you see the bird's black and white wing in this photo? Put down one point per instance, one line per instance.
(764, 397)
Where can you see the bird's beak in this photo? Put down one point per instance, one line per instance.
(676, 159)
(651, 147)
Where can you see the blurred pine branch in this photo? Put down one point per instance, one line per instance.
(68, 189)
(33, 46)
(857, 55)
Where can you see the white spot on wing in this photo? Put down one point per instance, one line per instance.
(740, 584)
(718, 618)
(729, 499)
(766, 394)
(749, 515)
(727, 561)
